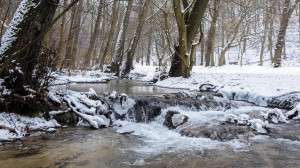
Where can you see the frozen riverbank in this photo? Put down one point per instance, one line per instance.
(261, 80)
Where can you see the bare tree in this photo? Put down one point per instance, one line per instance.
(212, 35)
(61, 44)
(188, 23)
(118, 55)
(110, 35)
(87, 58)
(128, 63)
(287, 11)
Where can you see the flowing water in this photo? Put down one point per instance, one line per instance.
(152, 144)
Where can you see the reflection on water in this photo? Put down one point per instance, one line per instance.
(130, 87)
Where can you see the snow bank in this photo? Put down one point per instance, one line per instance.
(81, 77)
(249, 83)
(13, 126)
(144, 73)
(264, 81)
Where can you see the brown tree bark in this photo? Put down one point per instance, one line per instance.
(271, 14)
(288, 9)
(134, 42)
(38, 18)
(263, 39)
(61, 45)
(110, 35)
(118, 53)
(187, 28)
(77, 26)
(87, 57)
(149, 47)
(70, 41)
(212, 36)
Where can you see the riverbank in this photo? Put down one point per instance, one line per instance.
(265, 81)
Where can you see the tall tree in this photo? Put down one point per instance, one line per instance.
(263, 39)
(128, 63)
(118, 53)
(77, 26)
(31, 19)
(233, 33)
(188, 23)
(110, 35)
(87, 58)
(212, 35)
(287, 11)
(70, 41)
(61, 44)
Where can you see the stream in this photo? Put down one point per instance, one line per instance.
(153, 144)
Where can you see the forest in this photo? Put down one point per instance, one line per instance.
(147, 83)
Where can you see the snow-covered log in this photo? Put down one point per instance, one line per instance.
(244, 119)
(275, 115)
(294, 113)
(88, 107)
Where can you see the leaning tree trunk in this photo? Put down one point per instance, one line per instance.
(134, 42)
(118, 55)
(31, 19)
(110, 35)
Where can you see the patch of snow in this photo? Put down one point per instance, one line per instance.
(244, 119)
(275, 115)
(258, 125)
(177, 119)
(54, 98)
(15, 126)
(81, 77)
(52, 113)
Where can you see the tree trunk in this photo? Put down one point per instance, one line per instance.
(77, 26)
(118, 55)
(202, 54)
(188, 29)
(286, 15)
(61, 44)
(68, 56)
(212, 35)
(37, 16)
(110, 35)
(271, 24)
(266, 17)
(134, 42)
(87, 58)
(149, 47)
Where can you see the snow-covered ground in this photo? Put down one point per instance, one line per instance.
(80, 77)
(264, 81)
(15, 126)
